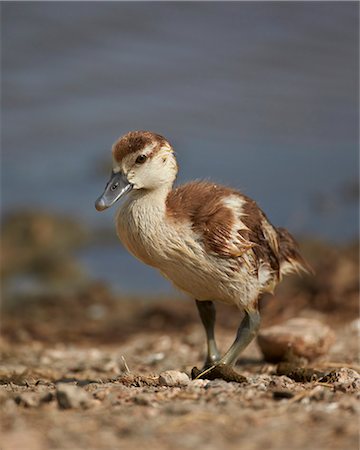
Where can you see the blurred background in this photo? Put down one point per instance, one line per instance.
(260, 96)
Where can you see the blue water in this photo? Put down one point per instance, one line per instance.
(262, 96)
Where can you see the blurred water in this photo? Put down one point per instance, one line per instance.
(261, 96)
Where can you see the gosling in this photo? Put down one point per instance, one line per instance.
(210, 241)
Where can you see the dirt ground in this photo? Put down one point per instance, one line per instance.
(80, 370)
(117, 358)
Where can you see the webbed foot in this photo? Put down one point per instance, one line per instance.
(221, 371)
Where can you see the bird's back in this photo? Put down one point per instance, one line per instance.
(232, 227)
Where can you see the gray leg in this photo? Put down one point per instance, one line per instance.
(246, 332)
(208, 314)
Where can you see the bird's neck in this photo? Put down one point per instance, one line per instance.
(142, 226)
(145, 210)
(152, 198)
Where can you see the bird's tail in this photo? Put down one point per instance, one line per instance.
(290, 257)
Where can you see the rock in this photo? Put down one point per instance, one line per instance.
(344, 379)
(260, 382)
(47, 397)
(154, 358)
(33, 399)
(178, 409)
(298, 374)
(27, 399)
(280, 383)
(173, 378)
(307, 338)
(143, 400)
(279, 394)
(101, 394)
(197, 385)
(220, 385)
(70, 396)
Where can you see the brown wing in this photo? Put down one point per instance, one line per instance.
(202, 204)
(242, 233)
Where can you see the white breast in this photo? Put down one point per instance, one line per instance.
(138, 225)
(179, 254)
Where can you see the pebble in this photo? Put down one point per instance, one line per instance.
(143, 400)
(280, 394)
(27, 399)
(154, 358)
(101, 394)
(282, 382)
(344, 379)
(70, 396)
(355, 325)
(221, 385)
(195, 385)
(260, 382)
(33, 399)
(304, 337)
(173, 378)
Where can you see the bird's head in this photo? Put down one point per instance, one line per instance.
(141, 160)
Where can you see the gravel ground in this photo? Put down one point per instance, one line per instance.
(65, 386)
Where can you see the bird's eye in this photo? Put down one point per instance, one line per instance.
(114, 186)
(140, 159)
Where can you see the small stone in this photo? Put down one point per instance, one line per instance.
(178, 409)
(47, 397)
(27, 399)
(307, 338)
(220, 385)
(282, 383)
(143, 400)
(355, 325)
(110, 366)
(101, 394)
(199, 383)
(298, 374)
(319, 393)
(197, 386)
(154, 358)
(344, 379)
(70, 396)
(280, 394)
(173, 378)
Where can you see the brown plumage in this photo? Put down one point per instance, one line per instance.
(290, 252)
(202, 204)
(134, 142)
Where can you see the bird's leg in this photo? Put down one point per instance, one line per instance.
(246, 332)
(208, 314)
(222, 368)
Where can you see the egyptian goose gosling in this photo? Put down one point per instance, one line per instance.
(211, 241)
